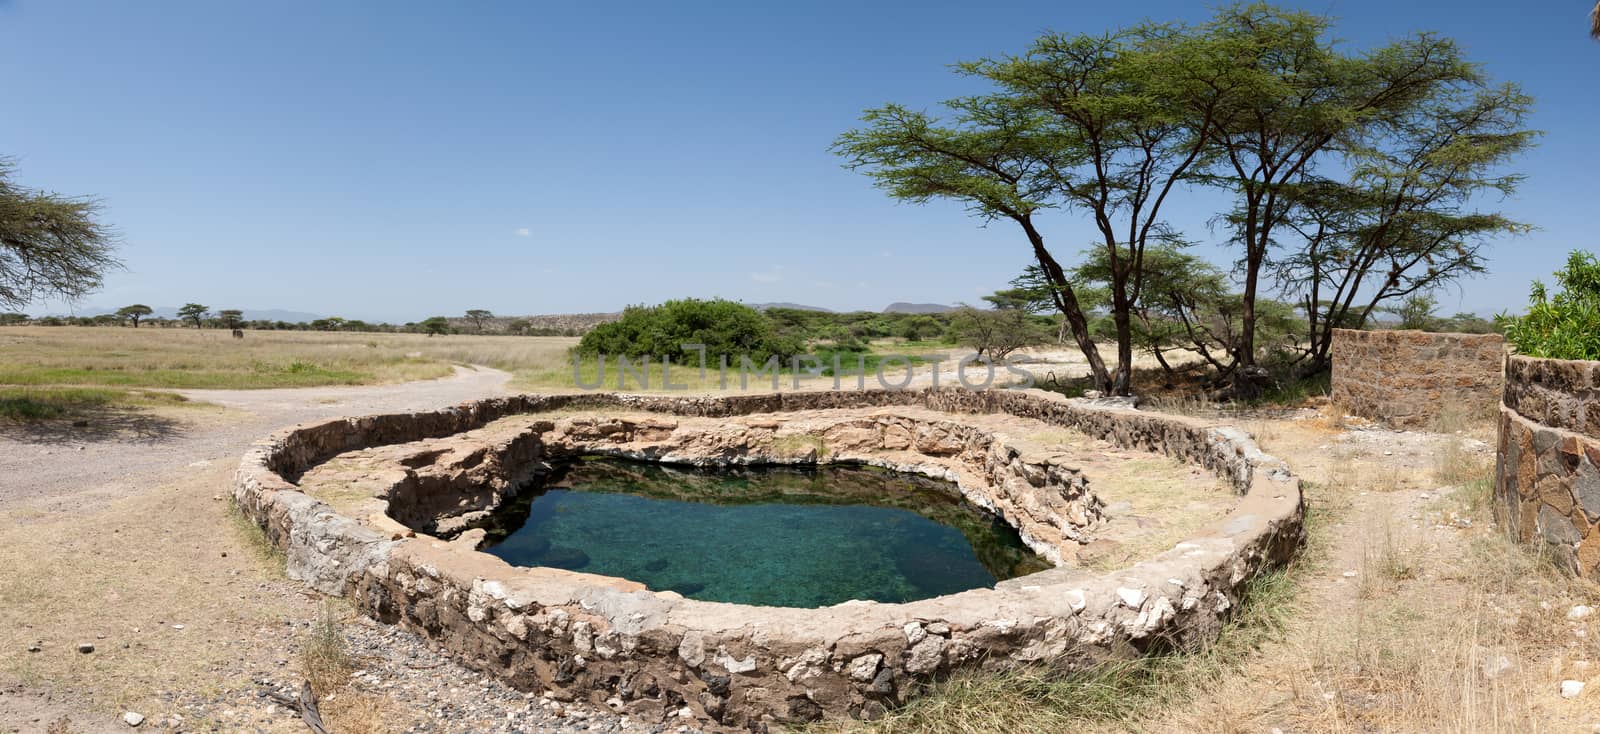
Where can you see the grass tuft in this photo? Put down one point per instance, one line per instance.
(323, 658)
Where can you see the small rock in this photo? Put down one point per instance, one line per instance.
(85, 648)
(132, 718)
(1579, 612)
(1571, 688)
(178, 627)
(34, 648)
(1131, 598)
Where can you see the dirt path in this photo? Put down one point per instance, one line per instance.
(117, 537)
(1411, 612)
(119, 453)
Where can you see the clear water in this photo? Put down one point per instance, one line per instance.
(774, 536)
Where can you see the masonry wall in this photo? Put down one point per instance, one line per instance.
(1547, 475)
(1407, 378)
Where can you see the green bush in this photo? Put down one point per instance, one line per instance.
(1566, 325)
(661, 331)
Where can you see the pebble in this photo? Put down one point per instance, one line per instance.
(85, 648)
(1579, 612)
(1571, 688)
(132, 718)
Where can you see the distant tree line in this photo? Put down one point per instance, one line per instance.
(200, 316)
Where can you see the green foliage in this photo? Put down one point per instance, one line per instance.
(998, 332)
(1416, 312)
(435, 325)
(194, 312)
(13, 319)
(921, 328)
(51, 246)
(1259, 102)
(231, 318)
(724, 327)
(479, 317)
(1566, 325)
(134, 313)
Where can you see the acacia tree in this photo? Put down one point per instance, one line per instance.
(51, 246)
(134, 313)
(1401, 223)
(194, 312)
(1077, 122)
(1277, 98)
(435, 325)
(231, 318)
(478, 317)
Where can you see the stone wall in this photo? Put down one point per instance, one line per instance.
(1406, 378)
(1547, 475)
(657, 654)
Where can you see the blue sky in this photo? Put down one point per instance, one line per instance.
(398, 160)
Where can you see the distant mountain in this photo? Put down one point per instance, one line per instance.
(794, 306)
(902, 307)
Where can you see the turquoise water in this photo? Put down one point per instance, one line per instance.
(775, 536)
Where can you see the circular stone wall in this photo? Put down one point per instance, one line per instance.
(655, 654)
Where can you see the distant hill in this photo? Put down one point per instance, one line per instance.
(794, 306)
(902, 307)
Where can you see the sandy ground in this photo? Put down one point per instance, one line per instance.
(118, 535)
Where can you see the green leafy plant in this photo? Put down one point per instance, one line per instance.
(724, 327)
(1567, 324)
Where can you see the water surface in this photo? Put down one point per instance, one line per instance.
(776, 536)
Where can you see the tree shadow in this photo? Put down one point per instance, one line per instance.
(97, 425)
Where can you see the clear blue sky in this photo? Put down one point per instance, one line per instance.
(396, 160)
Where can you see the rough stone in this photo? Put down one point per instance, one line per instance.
(579, 636)
(1407, 378)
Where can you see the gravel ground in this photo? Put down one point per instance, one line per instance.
(50, 473)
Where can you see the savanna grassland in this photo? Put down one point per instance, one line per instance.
(60, 371)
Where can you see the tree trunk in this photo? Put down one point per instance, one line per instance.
(1067, 301)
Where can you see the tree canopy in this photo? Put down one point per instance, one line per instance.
(1352, 172)
(51, 246)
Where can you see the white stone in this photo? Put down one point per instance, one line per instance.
(926, 656)
(132, 718)
(1131, 598)
(865, 667)
(914, 633)
(1571, 688)
(693, 648)
(1579, 612)
(1077, 600)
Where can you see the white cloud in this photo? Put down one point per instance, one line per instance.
(524, 232)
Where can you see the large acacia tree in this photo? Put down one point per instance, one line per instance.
(51, 246)
(1281, 98)
(1259, 101)
(1078, 123)
(1403, 220)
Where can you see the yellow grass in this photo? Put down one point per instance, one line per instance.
(211, 358)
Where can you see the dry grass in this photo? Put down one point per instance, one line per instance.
(327, 665)
(47, 403)
(1442, 626)
(188, 358)
(323, 659)
(125, 573)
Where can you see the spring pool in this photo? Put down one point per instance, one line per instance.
(768, 535)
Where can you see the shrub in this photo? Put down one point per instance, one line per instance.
(725, 327)
(1566, 325)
